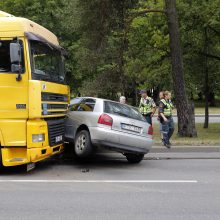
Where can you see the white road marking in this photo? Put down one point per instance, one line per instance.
(97, 181)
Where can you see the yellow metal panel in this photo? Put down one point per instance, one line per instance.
(15, 128)
(54, 88)
(14, 156)
(19, 156)
(37, 127)
(35, 99)
(11, 24)
(14, 132)
(35, 154)
(4, 14)
(13, 93)
(1, 139)
(11, 34)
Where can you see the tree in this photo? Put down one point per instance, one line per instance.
(200, 36)
(120, 46)
(186, 122)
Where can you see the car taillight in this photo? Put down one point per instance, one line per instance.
(105, 119)
(150, 130)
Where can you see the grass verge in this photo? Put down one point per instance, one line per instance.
(200, 110)
(210, 136)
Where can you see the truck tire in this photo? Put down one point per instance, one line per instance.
(83, 146)
(134, 158)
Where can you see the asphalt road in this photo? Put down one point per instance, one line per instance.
(164, 186)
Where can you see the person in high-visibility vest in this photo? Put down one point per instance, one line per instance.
(166, 119)
(161, 97)
(147, 106)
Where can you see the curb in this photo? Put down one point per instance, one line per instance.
(185, 149)
(202, 115)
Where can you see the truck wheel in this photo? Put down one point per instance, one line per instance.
(134, 158)
(83, 145)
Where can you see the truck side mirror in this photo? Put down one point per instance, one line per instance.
(15, 53)
(15, 56)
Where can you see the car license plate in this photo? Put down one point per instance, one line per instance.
(58, 138)
(131, 128)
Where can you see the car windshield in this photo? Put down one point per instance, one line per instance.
(122, 110)
(75, 101)
(86, 105)
(47, 63)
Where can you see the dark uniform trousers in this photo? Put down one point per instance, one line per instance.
(167, 129)
(148, 118)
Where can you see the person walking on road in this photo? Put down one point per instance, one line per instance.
(147, 106)
(166, 119)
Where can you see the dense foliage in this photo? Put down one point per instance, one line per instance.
(114, 49)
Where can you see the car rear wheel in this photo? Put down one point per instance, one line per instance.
(134, 158)
(83, 146)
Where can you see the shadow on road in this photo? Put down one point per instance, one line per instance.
(98, 161)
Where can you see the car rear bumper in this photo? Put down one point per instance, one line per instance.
(120, 141)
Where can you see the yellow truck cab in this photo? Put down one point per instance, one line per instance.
(33, 95)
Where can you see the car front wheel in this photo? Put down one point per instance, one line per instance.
(134, 158)
(83, 146)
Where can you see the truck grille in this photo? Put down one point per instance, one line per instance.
(57, 106)
(55, 131)
(53, 97)
(54, 104)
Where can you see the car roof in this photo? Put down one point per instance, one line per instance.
(101, 99)
(88, 97)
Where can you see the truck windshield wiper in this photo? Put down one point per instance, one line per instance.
(39, 72)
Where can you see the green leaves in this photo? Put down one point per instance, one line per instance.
(107, 42)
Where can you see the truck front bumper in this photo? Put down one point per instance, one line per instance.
(14, 156)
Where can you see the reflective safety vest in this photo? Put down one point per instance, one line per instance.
(146, 105)
(168, 107)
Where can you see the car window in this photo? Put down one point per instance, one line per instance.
(86, 105)
(75, 101)
(122, 110)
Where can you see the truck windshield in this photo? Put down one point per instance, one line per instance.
(5, 61)
(47, 63)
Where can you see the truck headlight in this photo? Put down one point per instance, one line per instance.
(38, 138)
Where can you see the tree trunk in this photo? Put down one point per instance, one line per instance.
(206, 83)
(186, 121)
(212, 102)
(122, 48)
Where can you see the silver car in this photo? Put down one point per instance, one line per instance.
(92, 123)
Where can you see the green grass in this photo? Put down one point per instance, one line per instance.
(201, 110)
(210, 136)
